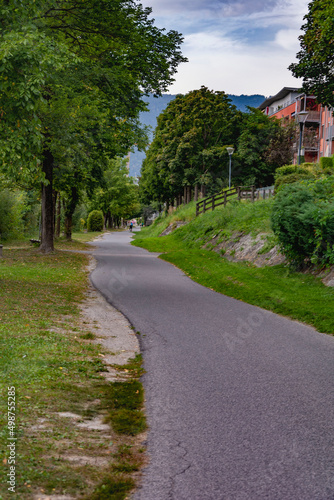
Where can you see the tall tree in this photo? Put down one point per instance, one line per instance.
(57, 54)
(189, 143)
(315, 64)
(264, 145)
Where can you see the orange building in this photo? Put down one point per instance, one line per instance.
(318, 128)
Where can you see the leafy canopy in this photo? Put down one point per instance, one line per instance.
(61, 57)
(189, 143)
(315, 64)
(264, 145)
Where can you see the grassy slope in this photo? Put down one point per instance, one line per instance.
(278, 289)
(53, 369)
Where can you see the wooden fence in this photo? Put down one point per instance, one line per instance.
(239, 193)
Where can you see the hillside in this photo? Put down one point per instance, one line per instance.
(157, 105)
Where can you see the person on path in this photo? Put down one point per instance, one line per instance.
(131, 226)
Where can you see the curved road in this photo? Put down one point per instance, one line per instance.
(239, 400)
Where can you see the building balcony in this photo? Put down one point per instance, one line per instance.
(310, 148)
(313, 117)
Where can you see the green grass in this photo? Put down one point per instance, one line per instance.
(245, 217)
(295, 295)
(88, 336)
(126, 400)
(79, 242)
(45, 355)
(113, 489)
(184, 213)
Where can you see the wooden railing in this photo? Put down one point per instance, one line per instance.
(239, 193)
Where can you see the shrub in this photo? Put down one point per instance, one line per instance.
(290, 169)
(290, 178)
(303, 220)
(296, 173)
(309, 166)
(326, 163)
(95, 221)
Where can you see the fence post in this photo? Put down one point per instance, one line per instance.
(196, 209)
(225, 198)
(238, 188)
(253, 192)
(204, 205)
(213, 203)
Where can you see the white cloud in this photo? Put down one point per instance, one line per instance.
(288, 39)
(230, 8)
(240, 46)
(224, 64)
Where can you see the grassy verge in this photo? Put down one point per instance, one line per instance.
(278, 289)
(184, 213)
(59, 386)
(79, 242)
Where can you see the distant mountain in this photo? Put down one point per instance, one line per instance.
(157, 104)
(242, 101)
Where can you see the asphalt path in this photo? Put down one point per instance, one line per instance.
(239, 400)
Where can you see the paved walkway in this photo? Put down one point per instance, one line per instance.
(239, 400)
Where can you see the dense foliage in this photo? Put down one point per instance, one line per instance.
(189, 145)
(72, 78)
(292, 173)
(263, 146)
(303, 220)
(289, 174)
(315, 63)
(190, 141)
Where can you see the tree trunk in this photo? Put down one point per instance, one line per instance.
(108, 220)
(68, 227)
(58, 217)
(203, 191)
(180, 200)
(47, 244)
(69, 211)
(196, 192)
(188, 194)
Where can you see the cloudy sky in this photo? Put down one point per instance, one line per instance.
(239, 46)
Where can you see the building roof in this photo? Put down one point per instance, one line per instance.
(281, 94)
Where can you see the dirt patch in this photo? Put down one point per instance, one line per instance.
(172, 227)
(327, 277)
(261, 252)
(245, 247)
(52, 497)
